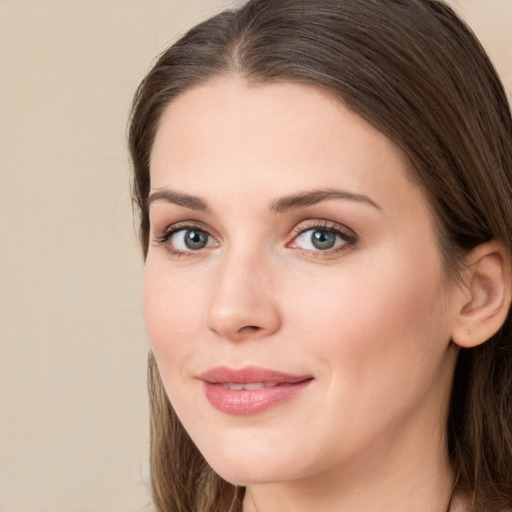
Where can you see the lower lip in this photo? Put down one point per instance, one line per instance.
(247, 402)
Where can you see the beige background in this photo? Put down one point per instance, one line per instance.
(73, 412)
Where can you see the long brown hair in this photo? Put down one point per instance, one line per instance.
(416, 72)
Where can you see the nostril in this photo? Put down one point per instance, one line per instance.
(250, 328)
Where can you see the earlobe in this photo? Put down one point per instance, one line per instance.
(486, 295)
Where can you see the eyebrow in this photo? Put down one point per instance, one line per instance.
(313, 197)
(186, 200)
(281, 205)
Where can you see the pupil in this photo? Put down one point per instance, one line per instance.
(195, 239)
(323, 239)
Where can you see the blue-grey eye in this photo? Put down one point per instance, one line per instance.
(323, 239)
(318, 240)
(190, 239)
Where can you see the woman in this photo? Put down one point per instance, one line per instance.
(324, 190)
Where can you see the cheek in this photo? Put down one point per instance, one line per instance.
(172, 314)
(172, 311)
(378, 340)
(394, 309)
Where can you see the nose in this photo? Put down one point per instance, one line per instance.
(243, 304)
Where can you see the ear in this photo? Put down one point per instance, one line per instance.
(486, 295)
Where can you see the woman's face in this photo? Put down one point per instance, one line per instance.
(294, 293)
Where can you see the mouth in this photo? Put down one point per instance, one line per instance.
(250, 390)
(248, 386)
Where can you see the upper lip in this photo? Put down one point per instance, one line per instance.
(224, 374)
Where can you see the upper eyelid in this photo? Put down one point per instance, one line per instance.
(190, 224)
(324, 224)
(298, 227)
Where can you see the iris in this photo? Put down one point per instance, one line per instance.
(323, 239)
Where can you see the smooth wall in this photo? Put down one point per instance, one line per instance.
(73, 408)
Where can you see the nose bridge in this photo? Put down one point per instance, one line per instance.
(243, 303)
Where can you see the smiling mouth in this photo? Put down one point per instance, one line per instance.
(251, 390)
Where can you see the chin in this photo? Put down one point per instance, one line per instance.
(251, 465)
(245, 474)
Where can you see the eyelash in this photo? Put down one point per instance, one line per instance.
(348, 237)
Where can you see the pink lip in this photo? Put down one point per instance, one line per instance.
(279, 387)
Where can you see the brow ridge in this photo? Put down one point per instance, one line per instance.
(310, 198)
(178, 198)
(281, 205)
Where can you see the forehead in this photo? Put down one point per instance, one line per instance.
(268, 139)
